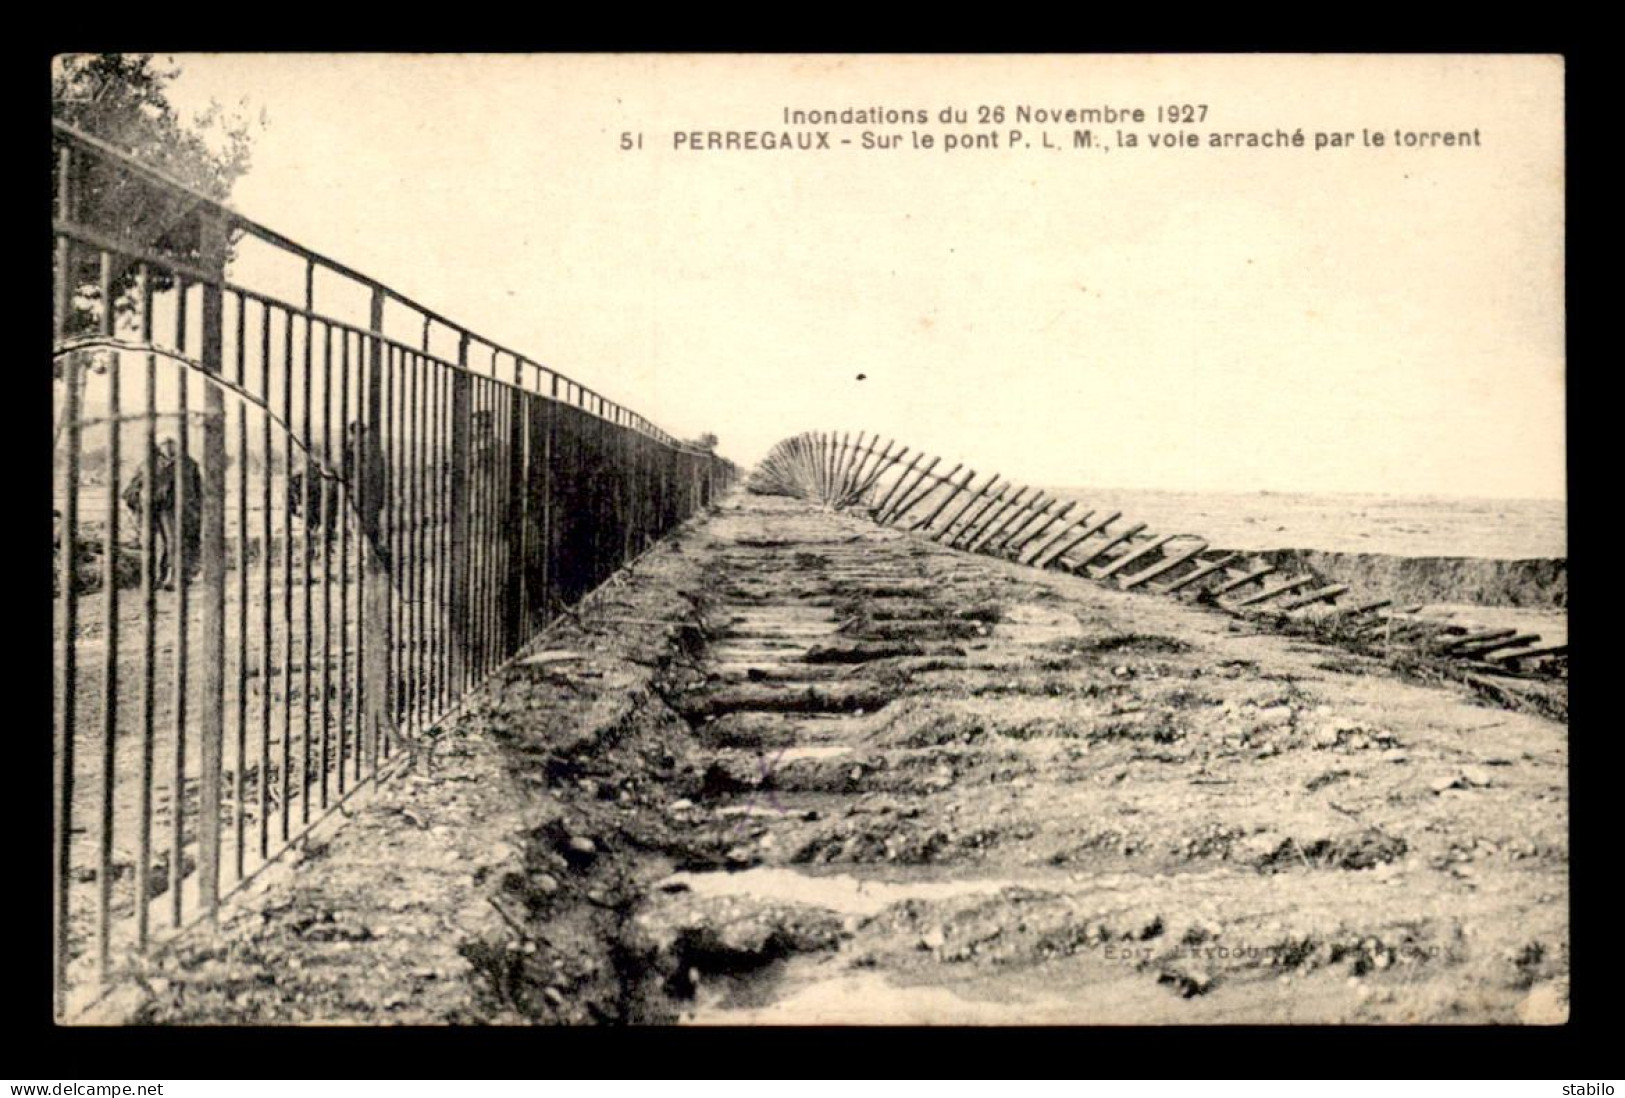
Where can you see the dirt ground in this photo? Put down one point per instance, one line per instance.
(795, 767)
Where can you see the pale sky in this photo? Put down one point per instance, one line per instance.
(1352, 319)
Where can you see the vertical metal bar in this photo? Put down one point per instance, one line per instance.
(373, 638)
(384, 640)
(449, 398)
(426, 536)
(426, 562)
(392, 537)
(476, 535)
(110, 651)
(239, 764)
(416, 533)
(491, 486)
(437, 446)
(425, 642)
(267, 656)
(177, 575)
(488, 531)
(212, 726)
(307, 554)
(501, 581)
(449, 474)
(149, 620)
(518, 581)
(406, 669)
(367, 562)
(342, 491)
(549, 532)
(399, 381)
(356, 487)
(623, 494)
(602, 500)
(502, 577)
(288, 451)
(461, 418)
(426, 528)
(330, 515)
(436, 482)
(478, 486)
(414, 575)
(485, 464)
(64, 726)
(403, 526)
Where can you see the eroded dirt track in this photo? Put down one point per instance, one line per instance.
(799, 768)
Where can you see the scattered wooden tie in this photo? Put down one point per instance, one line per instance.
(998, 517)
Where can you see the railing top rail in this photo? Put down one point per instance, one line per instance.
(270, 236)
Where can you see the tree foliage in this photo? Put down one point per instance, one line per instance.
(123, 100)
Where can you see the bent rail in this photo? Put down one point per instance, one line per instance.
(995, 517)
(353, 531)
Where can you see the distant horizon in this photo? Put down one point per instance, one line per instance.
(1298, 492)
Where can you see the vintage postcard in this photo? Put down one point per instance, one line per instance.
(800, 539)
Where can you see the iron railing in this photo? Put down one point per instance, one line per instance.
(346, 533)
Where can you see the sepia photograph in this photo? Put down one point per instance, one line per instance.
(663, 539)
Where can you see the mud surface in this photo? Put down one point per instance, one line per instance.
(795, 767)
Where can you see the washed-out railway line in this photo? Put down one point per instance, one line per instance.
(997, 516)
(797, 766)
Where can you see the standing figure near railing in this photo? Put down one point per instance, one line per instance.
(173, 476)
(366, 478)
(320, 511)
